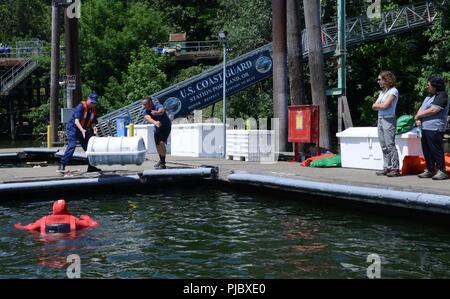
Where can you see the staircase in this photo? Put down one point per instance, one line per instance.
(24, 55)
(358, 30)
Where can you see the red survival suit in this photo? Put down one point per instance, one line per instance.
(61, 221)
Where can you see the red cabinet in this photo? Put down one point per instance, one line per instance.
(304, 124)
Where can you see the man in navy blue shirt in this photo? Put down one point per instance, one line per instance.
(80, 128)
(155, 113)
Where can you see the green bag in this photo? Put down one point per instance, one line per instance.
(334, 161)
(405, 123)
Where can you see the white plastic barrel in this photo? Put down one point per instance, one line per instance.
(116, 150)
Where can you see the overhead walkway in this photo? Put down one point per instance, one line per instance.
(206, 88)
(21, 62)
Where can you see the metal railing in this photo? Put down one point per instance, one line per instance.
(359, 29)
(194, 46)
(23, 49)
(26, 51)
(362, 29)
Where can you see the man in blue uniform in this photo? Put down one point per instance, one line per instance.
(155, 113)
(80, 127)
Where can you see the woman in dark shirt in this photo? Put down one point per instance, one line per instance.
(432, 118)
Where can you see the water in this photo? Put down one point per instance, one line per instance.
(199, 233)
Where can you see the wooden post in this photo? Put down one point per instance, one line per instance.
(54, 72)
(316, 66)
(72, 58)
(344, 114)
(295, 55)
(295, 61)
(12, 119)
(280, 79)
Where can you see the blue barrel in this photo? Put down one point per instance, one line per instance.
(122, 123)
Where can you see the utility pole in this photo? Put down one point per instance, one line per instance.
(72, 57)
(316, 66)
(280, 79)
(295, 55)
(54, 72)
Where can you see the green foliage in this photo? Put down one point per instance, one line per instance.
(187, 73)
(145, 75)
(437, 60)
(248, 23)
(195, 17)
(110, 32)
(39, 118)
(24, 19)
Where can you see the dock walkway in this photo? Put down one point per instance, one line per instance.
(406, 187)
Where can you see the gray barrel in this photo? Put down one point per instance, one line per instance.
(116, 150)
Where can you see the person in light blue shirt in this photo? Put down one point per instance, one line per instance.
(432, 118)
(386, 105)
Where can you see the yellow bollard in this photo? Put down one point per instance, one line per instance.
(131, 130)
(49, 137)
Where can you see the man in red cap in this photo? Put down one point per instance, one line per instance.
(61, 221)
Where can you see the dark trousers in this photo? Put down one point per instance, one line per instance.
(433, 150)
(72, 137)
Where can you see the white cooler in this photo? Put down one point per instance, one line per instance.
(360, 147)
(197, 140)
(147, 133)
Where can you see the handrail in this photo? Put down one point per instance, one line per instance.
(25, 50)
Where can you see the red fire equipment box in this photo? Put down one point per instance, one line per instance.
(304, 124)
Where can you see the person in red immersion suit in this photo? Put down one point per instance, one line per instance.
(61, 221)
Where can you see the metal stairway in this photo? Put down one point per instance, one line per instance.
(24, 53)
(358, 30)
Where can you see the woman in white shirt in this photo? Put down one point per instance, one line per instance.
(387, 122)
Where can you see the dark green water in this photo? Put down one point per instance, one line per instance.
(201, 233)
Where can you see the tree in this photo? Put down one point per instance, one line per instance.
(316, 67)
(437, 59)
(109, 33)
(146, 74)
(24, 19)
(195, 17)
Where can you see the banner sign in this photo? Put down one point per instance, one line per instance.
(207, 90)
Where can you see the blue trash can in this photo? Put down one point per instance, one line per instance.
(122, 123)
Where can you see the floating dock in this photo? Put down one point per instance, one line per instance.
(338, 184)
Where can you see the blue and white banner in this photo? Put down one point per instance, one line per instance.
(207, 90)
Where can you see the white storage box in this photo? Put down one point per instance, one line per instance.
(116, 150)
(251, 145)
(197, 140)
(147, 133)
(360, 147)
